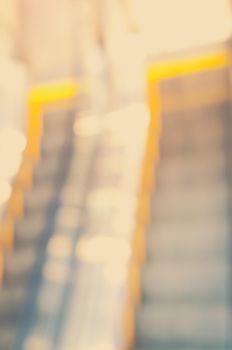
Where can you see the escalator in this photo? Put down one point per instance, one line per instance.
(186, 277)
(66, 267)
(28, 264)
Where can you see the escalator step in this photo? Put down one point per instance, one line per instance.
(183, 172)
(30, 229)
(185, 280)
(188, 239)
(19, 265)
(12, 301)
(7, 336)
(46, 170)
(177, 323)
(39, 198)
(193, 280)
(190, 198)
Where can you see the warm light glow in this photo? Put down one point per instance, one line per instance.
(102, 248)
(94, 63)
(124, 223)
(12, 144)
(116, 273)
(9, 163)
(133, 117)
(87, 126)
(99, 345)
(59, 246)
(105, 198)
(37, 343)
(104, 345)
(5, 191)
(102, 198)
(12, 140)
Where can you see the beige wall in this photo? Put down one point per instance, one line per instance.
(13, 72)
(9, 27)
(47, 37)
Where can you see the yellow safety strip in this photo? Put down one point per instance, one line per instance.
(173, 68)
(53, 92)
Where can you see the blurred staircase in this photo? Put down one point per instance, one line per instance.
(26, 264)
(67, 235)
(186, 277)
